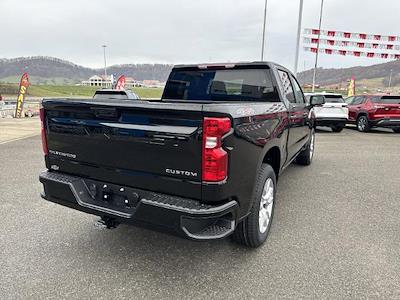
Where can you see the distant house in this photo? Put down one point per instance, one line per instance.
(106, 82)
(100, 81)
(153, 83)
(131, 82)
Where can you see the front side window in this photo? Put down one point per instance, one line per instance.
(287, 86)
(358, 100)
(349, 100)
(221, 85)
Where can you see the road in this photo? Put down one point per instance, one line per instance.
(14, 129)
(335, 234)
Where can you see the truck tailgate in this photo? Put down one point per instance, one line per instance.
(155, 146)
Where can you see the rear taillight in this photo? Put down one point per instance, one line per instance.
(43, 132)
(215, 158)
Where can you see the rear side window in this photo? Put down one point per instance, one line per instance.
(221, 85)
(287, 86)
(386, 99)
(298, 92)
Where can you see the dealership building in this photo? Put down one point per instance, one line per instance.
(107, 81)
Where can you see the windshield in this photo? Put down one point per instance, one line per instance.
(387, 100)
(221, 85)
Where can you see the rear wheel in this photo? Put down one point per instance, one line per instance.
(337, 128)
(305, 157)
(253, 230)
(363, 124)
(397, 130)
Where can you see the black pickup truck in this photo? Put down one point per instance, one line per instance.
(201, 163)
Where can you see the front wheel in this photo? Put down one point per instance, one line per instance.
(363, 124)
(253, 230)
(305, 157)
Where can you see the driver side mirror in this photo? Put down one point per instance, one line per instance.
(317, 100)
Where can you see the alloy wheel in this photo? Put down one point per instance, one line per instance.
(362, 123)
(266, 205)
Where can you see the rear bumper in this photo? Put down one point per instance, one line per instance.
(320, 121)
(184, 217)
(388, 123)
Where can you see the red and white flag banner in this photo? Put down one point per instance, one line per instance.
(352, 35)
(353, 44)
(352, 53)
(120, 85)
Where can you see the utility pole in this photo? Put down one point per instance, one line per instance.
(264, 27)
(316, 55)
(105, 62)
(390, 78)
(296, 60)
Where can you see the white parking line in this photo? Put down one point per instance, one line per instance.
(20, 138)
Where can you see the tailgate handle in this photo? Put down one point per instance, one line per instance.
(105, 112)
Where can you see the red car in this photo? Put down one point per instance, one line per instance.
(369, 111)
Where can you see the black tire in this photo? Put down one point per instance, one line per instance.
(397, 130)
(337, 128)
(248, 231)
(363, 124)
(305, 157)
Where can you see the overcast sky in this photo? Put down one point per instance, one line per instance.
(182, 31)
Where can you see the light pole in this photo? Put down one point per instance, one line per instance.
(316, 54)
(263, 35)
(296, 60)
(105, 61)
(390, 78)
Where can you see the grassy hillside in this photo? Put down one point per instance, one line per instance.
(69, 91)
(40, 80)
(375, 76)
(51, 70)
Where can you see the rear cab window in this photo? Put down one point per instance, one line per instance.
(110, 95)
(221, 85)
(334, 99)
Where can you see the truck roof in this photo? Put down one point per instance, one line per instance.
(229, 65)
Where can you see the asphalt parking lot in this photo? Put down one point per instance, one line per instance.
(335, 234)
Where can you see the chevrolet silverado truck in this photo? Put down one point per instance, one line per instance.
(202, 162)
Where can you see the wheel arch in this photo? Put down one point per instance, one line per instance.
(273, 158)
(362, 113)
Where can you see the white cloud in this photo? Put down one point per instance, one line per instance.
(180, 31)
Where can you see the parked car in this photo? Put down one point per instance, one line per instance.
(115, 94)
(201, 163)
(31, 112)
(333, 113)
(367, 111)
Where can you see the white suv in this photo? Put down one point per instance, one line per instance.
(333, 113)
